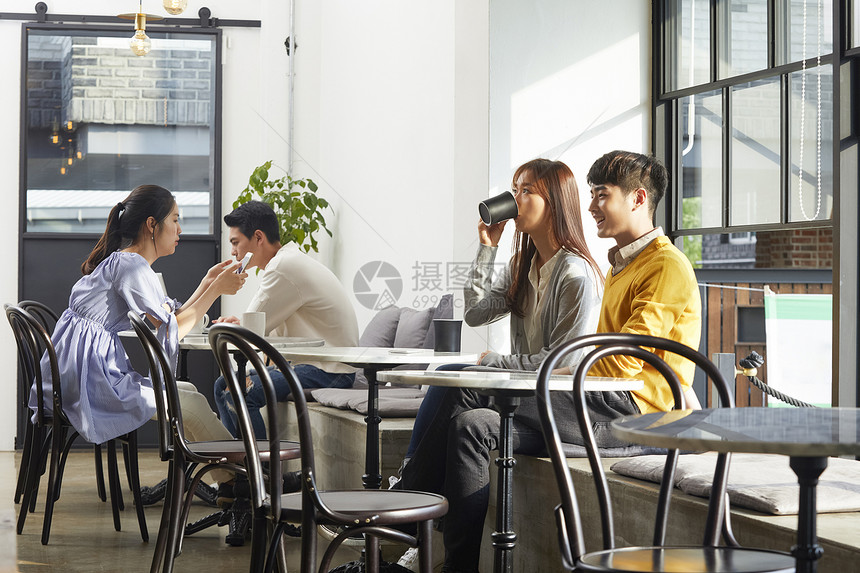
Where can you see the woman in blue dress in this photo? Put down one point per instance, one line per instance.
(103, 397)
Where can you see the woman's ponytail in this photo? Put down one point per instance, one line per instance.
(125, 221)
(110, 240)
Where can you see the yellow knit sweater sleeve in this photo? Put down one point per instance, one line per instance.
(657, 295)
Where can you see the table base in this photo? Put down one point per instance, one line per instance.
(807, 552)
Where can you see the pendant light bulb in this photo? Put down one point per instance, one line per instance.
(175, 7)
(140, 43)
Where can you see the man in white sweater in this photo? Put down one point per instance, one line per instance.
(300, 297)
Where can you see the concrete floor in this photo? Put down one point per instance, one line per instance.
(82, 534)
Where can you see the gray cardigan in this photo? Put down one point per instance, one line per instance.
(570, 307)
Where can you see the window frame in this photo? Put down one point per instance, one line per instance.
(667, 114)
(215, 135)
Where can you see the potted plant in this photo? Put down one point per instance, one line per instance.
(295, 202)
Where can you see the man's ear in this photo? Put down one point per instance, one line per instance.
(640, 198)
(259, 236)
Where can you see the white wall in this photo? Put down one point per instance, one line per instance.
(392, 105)
(569, 81)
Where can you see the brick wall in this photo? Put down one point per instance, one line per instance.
(800, 248)
(90, 83)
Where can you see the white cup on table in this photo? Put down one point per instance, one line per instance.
(255, 322)
(200, 325)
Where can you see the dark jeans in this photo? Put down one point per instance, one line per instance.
(453, 458)
(309, 376)
(427, 410)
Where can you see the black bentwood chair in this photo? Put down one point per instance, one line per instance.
(48, 319)
(184, 456)
(372, 513)
(707, 558)
(51, 430)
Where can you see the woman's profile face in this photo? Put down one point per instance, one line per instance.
(167, 233)
(534, 212)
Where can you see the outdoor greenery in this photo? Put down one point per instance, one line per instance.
(295, 202)
(692, 218)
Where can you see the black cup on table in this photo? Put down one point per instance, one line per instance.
(446, 333)
(499, 208)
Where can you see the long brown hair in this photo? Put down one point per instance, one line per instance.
(126, 219)
(554, 182)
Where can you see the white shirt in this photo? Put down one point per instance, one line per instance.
(620, 258)
(301, 297)
(538, 281)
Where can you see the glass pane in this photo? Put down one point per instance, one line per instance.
(811, 124)
(754, 183)
(808, 29)
(701, 161)
(855, 24)
(101, 121)
(743, 37)
(786, 249)
(688, 38)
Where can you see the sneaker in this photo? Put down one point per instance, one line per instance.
(292, 482)
(409, 559)
(225, 496)
(207, 493)
(153, 494)
(393, 481)
(240, 522)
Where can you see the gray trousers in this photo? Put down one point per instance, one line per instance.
(453, 457)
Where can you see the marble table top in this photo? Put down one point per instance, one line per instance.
(505, 381)
(802, 432)
(195, 341)
(376, 355)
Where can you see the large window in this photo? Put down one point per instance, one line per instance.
(101, 121)
(747, 92)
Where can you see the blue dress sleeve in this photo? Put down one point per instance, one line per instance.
(137, 284)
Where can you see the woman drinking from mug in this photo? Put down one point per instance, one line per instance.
(551, 291)
(103, 397)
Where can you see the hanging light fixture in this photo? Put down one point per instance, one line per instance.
(175, 7)
(140, 43)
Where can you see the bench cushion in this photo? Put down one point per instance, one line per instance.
(763, 482)
(393, 402)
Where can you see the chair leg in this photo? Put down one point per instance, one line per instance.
(26, 452)
(53, 477)
(425, 553)
(133, 474)
(100, 476)
(32, 473)
(44, 441)
(113, 484)
(170, 507)
(65, 456)
(176, 529)
(371, 557)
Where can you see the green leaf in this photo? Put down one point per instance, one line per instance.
(312, 186)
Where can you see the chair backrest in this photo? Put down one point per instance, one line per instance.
(164, 386)
(41, 312)
(226, 338)
(33, 342)
(568, 520)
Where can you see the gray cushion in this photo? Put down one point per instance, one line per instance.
(763, 482)
(412, 328)
(381, 329)
(393, 402)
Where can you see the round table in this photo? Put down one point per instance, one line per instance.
(807, 435)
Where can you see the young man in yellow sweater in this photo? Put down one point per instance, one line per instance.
(651, 288)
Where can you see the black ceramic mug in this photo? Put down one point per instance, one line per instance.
(499, 208)
(446, 334)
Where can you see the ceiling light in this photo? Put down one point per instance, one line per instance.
(175, 6)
